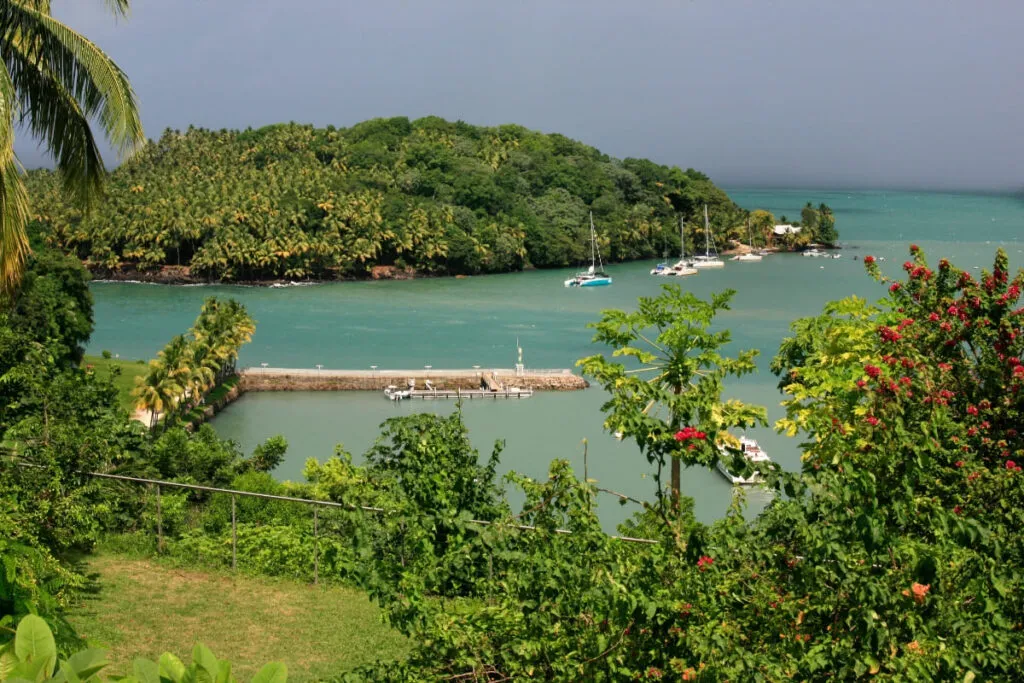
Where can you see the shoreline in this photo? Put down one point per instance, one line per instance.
(179, 276)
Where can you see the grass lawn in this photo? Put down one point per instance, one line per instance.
(124, 382)
(144, 608)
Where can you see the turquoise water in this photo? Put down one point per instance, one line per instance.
(477, 321)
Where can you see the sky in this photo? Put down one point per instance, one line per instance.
(756, 93)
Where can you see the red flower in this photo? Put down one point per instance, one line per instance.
(945, 367)
(957, 510)
(953, 310)
(888, 334)
(959, 463)
(934, 317)
(872, 420)
(914, 248)
(872, 370)
(654, 672)
(1018, 371)
(688, 433)
(1012, 466)
(908, 266)
(894, 287)
(704, 562)
(868, 260)
(906, 322)
(972, 410)
(905, 381)
(861, 384)
(972, 431)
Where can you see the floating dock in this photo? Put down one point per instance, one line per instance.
(451, 384)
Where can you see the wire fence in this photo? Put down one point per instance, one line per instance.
(158, 484)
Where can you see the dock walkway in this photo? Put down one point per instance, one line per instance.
(481, 380)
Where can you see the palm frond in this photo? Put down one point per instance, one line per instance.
(58, 120)
(14, 209)
(89, 76)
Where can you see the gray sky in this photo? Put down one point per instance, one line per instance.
(886, 93)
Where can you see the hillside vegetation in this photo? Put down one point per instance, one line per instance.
(426, 196)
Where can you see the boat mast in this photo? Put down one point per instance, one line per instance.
(707, 234)
(593, 242)
(682, 241)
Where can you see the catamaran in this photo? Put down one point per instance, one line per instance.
(594, 276)
(710, 258)
(752, 453)
(682, 267)
(751, 256)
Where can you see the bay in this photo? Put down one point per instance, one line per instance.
(479, 321)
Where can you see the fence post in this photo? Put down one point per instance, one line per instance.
(159, 523)
(316, 544)
(234, 535)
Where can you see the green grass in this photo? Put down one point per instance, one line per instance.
(124, 382)
(144, 608)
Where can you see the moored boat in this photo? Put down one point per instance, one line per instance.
(682, 267)
(594, 276)
(710, 257)
(752, 453)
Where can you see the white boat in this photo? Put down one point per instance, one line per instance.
(752, 453)
(594, 276)
(710, 258)
(752, 256)
(396, 394)
(682, 267)
(815, 253)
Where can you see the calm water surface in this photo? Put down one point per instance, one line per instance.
(476, 321)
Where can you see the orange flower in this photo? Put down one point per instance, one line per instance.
(920, 590)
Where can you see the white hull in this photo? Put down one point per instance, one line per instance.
(711, 263)
(753, 453)
(748, 258)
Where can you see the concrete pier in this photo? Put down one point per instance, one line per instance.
(301, 379)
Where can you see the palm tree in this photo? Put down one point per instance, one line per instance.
(156, 391)
(55, 80)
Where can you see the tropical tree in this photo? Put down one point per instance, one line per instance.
(669, 399)
(809, 218)
(763, 223)
(56, 81)
(826, 231)
(157, 391)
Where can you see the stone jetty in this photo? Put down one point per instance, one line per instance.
(301, 379)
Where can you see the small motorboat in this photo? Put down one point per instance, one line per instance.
(752, 453)
(815, 253)
(396, 394)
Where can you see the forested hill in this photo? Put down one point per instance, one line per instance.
(429, 196)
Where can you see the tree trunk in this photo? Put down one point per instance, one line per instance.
(676, 475)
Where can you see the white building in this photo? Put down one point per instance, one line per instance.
(786, 229)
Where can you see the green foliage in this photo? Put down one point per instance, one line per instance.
(194, 365)
(54, 305)
(32, 657)
(826, 232)
(674, 379)
(291, 201)
(269, 454)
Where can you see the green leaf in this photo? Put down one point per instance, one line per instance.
(171, 668)
(146, 671)
(203, 657)
(34, 642)
(274, 672)
(84, 664)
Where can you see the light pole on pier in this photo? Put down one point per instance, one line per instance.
(264, 366)
(318, 367)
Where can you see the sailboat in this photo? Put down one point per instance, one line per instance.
(594, 276)
(751, 256)
(710, 258)
(683, 267)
